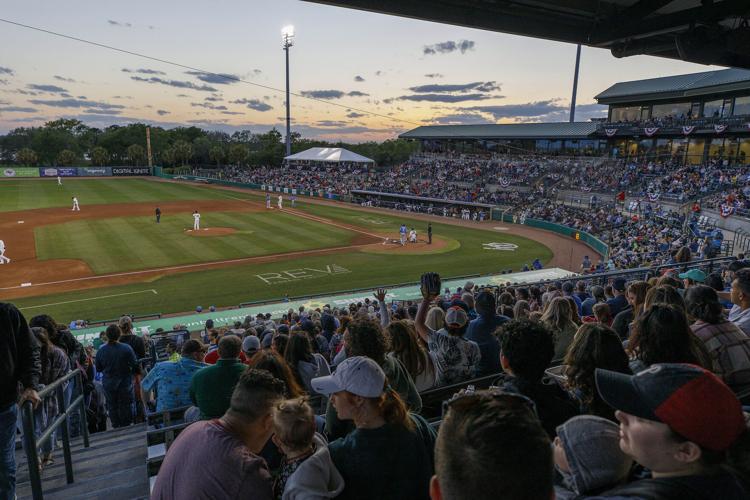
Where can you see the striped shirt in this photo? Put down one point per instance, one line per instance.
(730, 351)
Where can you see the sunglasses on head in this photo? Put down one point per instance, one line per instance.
(469, 397)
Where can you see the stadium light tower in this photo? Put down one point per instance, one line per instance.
(287, 37)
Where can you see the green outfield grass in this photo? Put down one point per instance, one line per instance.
(135, 242)
(28, 194)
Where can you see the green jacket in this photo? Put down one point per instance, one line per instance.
(211, 387)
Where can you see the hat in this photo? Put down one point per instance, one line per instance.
(267, 340)
(692, 401)
(619, 284)
(359, 375)
(251, 343)
(456, 316)
(693, 274)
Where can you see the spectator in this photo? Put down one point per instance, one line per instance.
(21, 369)
(662, 335)
(435, 318)
(118, 365)
(128, 337)
(740, 296)
(272, 362)
(171, 379)
(588, 457)
(636, 296)
(601, 315)
(581, 292)
(557, 317)
(307, 470)
(573, 311)
(521, 310)
(279, 342)
(305, 364)
(213, 356)
(526, 349)
(219, 458)
(664, 294)
(567, 289)
(491, 445)
(618, 302)
(597, 297)
(681, 422)
(480, 330)
(594, 346)
(250, 346)
(405, 347)
(211, 387)
(390, 452)
(727, 345)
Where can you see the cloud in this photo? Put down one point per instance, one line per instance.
(354, 114)
(331, 123)
(102, 111)
(118, 23)
(331, 94)
(6, 71)
(220, 79)
(232, 113)
(463, 87)
(460, 119)
(208, 105)
(378, 73)
(143, 71)
(447, 47)
(358, 79)
(3, 81)
(444, 97)
(255, 104)
(182, 95)
(162, 112)
(75, 103)
(17, 109)
(521, 111)
(356, 93)
(174, 83)
(434, 75)
(213, 98)
(46, 88)
(63, 79)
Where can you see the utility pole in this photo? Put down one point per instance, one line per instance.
(148, 147)
(287, 36)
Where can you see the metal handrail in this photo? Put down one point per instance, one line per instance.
(32, 444)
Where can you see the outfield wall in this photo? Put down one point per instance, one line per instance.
(27, 172)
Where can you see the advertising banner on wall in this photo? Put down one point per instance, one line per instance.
(58, 171)
(117, 171)
(95, 171)
(20, 172)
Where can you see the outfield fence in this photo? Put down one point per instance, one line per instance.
(28, 172)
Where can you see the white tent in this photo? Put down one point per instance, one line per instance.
(337, 155)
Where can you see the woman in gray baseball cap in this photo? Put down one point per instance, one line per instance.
(390, 452)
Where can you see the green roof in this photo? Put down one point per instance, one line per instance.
(562, 130)
(669, 87)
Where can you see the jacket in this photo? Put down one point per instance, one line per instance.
(19, 355)
(316, 478)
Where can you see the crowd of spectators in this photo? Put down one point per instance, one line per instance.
(326, 403)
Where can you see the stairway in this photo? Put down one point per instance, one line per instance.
(112, 468)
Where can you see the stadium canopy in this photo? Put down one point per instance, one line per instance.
(699, 31)
(561, 130)
(335, 155)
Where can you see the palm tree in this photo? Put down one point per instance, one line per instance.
(136, 154)
(26, 156)
(182, 151)
(99, 156)
(66, 157)
(217, 155)
(238, 154)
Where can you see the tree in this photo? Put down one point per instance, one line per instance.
(238, 154)
(99, 156)
(26, 156)
(182, 151)
(66, 158)
(217, 155)
(168, 156)
(136, 154)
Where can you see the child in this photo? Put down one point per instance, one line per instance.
(307, 470)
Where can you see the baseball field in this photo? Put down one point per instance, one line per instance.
(111, 257)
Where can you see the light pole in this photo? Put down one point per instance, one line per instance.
(287, 37)
(575, 85)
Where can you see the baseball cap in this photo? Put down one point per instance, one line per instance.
(456, 316)
(359, 375)
(693, 274)
(692, 401)
(251, 343)
(619, 284)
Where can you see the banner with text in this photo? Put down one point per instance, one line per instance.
(58, 171)
(118, 171)
(21, 172)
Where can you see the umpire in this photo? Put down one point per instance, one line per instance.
(429, 233)
(158, 214)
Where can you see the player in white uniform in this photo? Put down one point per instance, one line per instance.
(59, 181)
(412, 236)
(76, 208)
(3, 258)
(268, 200)
(196, 221)
(281, 199)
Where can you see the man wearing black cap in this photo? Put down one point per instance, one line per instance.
(619, 301)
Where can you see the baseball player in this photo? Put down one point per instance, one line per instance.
(429, 233)
(268, 200)
(412, 236)
(3, 258)
(281, 199)
(294, 200)
(59, 181)
(158, 214)
(402, 231)
(196, 221)
(76, 208)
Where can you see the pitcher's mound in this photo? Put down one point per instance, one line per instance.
(212, 231)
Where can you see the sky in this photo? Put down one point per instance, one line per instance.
(374, 75)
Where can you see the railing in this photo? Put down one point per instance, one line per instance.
(32, 444)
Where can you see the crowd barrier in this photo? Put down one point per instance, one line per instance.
(14, 172)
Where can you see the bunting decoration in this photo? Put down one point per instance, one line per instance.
(726, 210)
(504, 182)
(650, 130)
(612, 131)
(688, 129)
(654, 197)
(719, 128)
(586, 188)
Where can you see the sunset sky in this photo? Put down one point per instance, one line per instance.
(411, 72)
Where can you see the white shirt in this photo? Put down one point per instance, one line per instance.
(741, 318)
(196, 216)
(2, 245)
(75, 200)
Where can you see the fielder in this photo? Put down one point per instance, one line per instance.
(412, 236)
(76, 208)
(281, 199)
(402, 231)
(59, 181)
(3, 258)
(268, 200)
(294, 200)
(196, 221)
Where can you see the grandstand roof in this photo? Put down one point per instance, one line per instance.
(706, 82)
(700, 31)
(562, 130)
(329, 155)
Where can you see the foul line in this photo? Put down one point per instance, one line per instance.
(92, 298)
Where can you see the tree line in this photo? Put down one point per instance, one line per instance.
(67, 142)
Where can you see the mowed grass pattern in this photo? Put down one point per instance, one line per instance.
(30, 194)
(133, 243)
